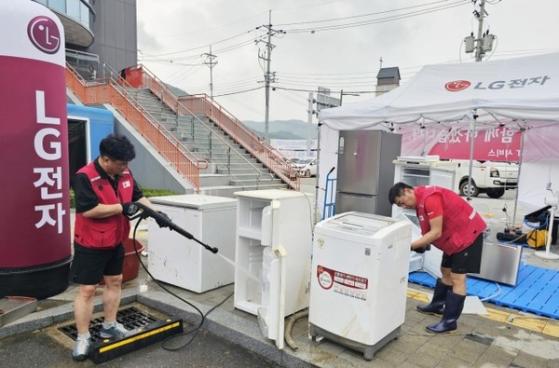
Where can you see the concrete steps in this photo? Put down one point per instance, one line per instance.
(230, 167)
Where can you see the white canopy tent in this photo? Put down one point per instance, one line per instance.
(522, 93)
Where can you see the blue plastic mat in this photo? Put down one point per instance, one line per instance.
(537, 290)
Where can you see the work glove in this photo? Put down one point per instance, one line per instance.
(164, 220)
(422, 249)
(129, 209)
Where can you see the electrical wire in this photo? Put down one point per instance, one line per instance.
(202, 46)
(232, 85)
(239, 92)
(378, 20)
(203, 316)
(316, 91)
(342, 84)
(168, 62)
(285, 94)
(362, 15)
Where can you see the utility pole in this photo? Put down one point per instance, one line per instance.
(484, 41)
(480, 17)
(211, 62)
(309, 120)
(269, 77)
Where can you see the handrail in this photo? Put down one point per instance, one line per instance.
(160, 89)
(117, 82)
(248, 139)
(231, 125)
(241, 126)
(106, 92)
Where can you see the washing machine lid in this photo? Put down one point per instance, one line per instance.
(363, 224)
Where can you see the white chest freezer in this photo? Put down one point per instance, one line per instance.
(182, 262)
(359, 280)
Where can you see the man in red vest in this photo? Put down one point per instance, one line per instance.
(104, 190)
(448, 222)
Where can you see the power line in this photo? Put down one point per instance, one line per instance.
(226, 90)
(363, 15)
(237, 84)
(316, 90)
(378, 20)
(286, 95)
(239, 92)
(355, 80)
(202, 46)
(169, 62)
(344, 85)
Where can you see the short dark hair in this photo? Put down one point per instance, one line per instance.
(117, 147)
(396, 191)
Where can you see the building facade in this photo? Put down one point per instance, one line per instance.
(98, 33)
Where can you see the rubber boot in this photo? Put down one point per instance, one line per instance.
(453, 309)
(436, 306)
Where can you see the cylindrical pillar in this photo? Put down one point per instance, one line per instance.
(35, 248)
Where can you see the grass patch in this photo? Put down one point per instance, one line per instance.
(154, 192)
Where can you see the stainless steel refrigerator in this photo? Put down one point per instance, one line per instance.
(366, 171)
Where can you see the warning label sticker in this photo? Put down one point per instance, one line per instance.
(342, 283)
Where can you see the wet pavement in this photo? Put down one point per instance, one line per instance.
(231, 338)
(41, 349)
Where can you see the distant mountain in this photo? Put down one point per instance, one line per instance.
(284, 129)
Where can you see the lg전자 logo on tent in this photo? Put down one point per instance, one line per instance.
(457, 85)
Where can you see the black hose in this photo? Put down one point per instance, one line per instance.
(203, 316)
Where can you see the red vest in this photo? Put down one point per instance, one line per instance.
(461, 223)
(110, 231)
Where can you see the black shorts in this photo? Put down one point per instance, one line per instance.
(90, 265)
(468, 260)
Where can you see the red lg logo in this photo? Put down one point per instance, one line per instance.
(456, 86)
(44, 34)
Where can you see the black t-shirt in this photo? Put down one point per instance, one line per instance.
(86, 198)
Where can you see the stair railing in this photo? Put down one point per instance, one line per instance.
(159, 88)
(201, 103)
(106, 91)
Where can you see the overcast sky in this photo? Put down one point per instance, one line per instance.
(172, 34)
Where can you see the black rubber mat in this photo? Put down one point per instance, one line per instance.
(132, 318)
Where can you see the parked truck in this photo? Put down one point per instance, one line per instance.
(490, 177)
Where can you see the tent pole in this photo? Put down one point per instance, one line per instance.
(520, 159)
(472, 137)
(317, 186)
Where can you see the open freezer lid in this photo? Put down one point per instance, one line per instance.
(195, 201)
(357, 223)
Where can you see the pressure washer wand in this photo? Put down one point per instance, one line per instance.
(164, 221)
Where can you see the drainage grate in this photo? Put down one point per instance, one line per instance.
(132, 318)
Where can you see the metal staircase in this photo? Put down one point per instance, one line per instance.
(203, 152)
(230, 168)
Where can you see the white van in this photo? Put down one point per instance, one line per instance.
(492, 178)
(489, 177)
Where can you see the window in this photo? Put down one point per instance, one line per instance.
(73, 9)
(85, 16)
(58, 5)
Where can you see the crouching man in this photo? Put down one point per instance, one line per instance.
(448, 222)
